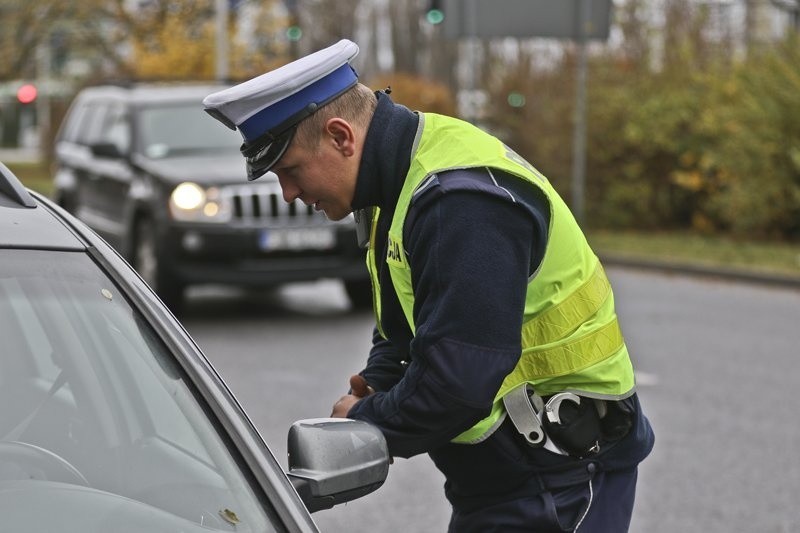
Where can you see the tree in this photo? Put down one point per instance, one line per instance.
(123, 39)
(179, 44)
(417, 93)
(24, 25)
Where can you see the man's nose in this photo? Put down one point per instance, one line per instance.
(290, 191)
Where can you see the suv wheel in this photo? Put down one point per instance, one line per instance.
(146, 263)
(360, 293)
(65, 200)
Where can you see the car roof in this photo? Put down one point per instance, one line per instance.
(27, 223)
(153, 93)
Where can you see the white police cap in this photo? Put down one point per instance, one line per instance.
(267, 109)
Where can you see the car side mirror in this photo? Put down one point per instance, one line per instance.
(335, 460)
(107, 150)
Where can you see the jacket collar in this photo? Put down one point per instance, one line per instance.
(386, 157)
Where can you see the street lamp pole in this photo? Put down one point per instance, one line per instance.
(221, 72)
(43, 98)
(579, 118)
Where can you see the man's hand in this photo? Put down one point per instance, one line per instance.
(358, 389)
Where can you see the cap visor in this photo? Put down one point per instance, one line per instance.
(261, 162)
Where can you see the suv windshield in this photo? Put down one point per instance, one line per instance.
(180, 129)
(99, 428)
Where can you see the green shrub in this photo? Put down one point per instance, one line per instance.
(702, 143)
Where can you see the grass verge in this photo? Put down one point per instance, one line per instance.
(683, 248)
(35, 176)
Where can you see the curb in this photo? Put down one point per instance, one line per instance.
(19, 155)
(712, 272)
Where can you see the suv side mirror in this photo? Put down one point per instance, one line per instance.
(107, 150)
(335, 460)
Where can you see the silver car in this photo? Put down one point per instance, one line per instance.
(111, 418)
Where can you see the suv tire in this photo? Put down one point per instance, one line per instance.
(360, 293)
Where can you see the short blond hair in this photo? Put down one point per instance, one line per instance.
(356, 105)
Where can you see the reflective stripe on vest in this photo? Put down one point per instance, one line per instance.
(557, 321)
(374, 272)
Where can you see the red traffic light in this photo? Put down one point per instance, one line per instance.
(27, 93)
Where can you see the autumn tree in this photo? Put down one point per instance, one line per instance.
(416, 93)
(172, 39)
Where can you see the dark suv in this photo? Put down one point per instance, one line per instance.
(148, 170)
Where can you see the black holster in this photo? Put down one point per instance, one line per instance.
(582, 428)
(578, 430)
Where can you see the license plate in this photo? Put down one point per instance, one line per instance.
(296, 239)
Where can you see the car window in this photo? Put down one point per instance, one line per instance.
(116, 128)
(181, 129)
(88, 384)
(33, 337)
(91, 123)
(75, 121)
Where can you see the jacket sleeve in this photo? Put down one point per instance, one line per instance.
(385, 365)
(470, 260)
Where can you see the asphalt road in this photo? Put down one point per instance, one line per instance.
(717, 366)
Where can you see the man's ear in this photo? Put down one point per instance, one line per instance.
(342, 135)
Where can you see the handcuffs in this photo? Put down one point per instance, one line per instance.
(565, 423)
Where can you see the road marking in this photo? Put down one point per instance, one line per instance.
(645, 379)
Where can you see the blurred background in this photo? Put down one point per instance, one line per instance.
(671, 126)
(688, 110)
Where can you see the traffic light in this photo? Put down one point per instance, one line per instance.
(435, 13)
(516, 99)
(27, 93)
(294, 33)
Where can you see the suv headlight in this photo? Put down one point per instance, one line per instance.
(189, 202)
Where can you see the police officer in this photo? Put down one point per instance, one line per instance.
(497, 348)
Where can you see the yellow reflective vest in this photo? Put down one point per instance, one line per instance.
(571, 340)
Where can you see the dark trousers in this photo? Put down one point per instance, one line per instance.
(603, 505)
(504, 485)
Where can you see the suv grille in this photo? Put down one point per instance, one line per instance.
(263, 203)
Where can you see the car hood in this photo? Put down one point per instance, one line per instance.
(34, 505)
(205, 169)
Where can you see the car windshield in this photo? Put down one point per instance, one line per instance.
(99, 428)
(183, 129)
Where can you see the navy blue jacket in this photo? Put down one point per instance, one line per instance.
(473, 239)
